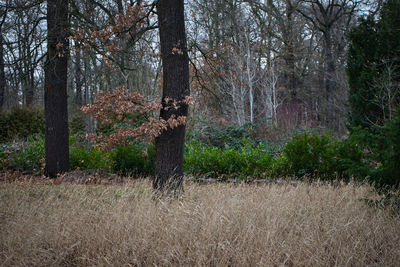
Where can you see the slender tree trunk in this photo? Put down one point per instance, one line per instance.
(55, 91)
(78, 77)
(2, 73)
(250, 80)
(169, 156)
(30, 84)
(290, 72)
(122, 41)
(329, 78)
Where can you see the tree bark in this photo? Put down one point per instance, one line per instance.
(55, 91)
(329, 77)
(290, 72)
(170, 144)
(78, 77)
(2, 73)
(29, 84)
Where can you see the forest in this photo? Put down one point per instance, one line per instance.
(224, 132)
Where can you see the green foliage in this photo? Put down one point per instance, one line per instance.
(382, 146)
(388, 174)
(26, 157)
(134, 159)
(213, 134)
(92, 159)
(361, 71)
(373, 52)
(374, 70)
(388, 30)
(323, 157)
(307, 154)
(20, 123)
(214, 161)
(348, 160)
(77, 125)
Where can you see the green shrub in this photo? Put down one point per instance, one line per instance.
(279, 166)
(21, 122)
(26, 157)
(92, 159)
(4, 158)
(77, 125)
(321, 156)
(388, 173)
(136, 159)
(307, 155)
(348, 161)
(213, 134)
(214, 161)
(382, 152)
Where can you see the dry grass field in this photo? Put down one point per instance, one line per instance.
(44, 224)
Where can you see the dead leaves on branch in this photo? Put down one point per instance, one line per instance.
(124, 110)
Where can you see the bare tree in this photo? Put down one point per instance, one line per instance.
(388, 97)
(332, 19)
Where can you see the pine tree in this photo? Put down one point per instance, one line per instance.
(374, 52)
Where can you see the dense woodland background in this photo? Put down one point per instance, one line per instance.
(274, 63)
(260, 71)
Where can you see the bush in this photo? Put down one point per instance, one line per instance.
(77, 125)
(348, 161)
(136, 159)
(382, 151)
(321, 156)
(214, 161)
(92, 159)
(4, 157)
(21, 122)
(387, 174)
(26, 157)
(307, 154)
(214, 134)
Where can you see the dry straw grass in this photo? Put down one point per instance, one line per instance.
(214, 225)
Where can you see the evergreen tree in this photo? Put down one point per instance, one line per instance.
(373, 67)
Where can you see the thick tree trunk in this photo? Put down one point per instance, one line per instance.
(2, 73)
(55, 91)
(169, 156)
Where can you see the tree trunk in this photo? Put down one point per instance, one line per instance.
(329, 78)
(169, 156)
(2, 73)
(290, 60)
(30, 84)
(78, 77)
(55, 91)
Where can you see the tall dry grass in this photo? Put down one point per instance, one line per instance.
(214, 225)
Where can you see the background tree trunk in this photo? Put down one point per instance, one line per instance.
(78, 77)
(2, 73)
(57, 151)
(169, 156)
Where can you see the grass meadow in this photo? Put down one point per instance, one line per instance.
(50, 223)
